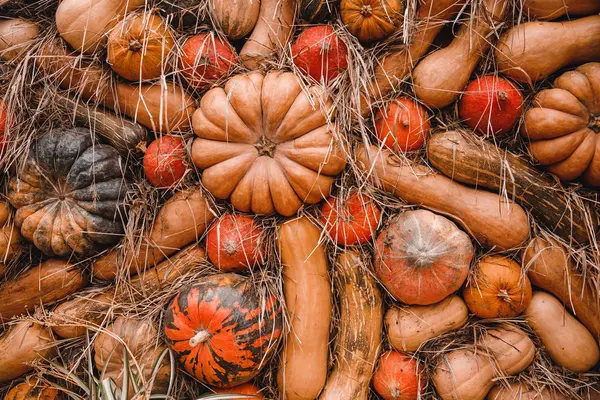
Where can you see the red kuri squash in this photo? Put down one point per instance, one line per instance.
(235, 243)
(397, 377)
(402, 125)
(422, 257)
(165, 161)
(222, 330)
(205, 59)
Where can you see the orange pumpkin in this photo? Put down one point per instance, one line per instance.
(403, 125)
(499, 289)
(139, 47)
(35, 390)
(223, 330)
(246, 388)
(372, 20)
(422, 257)
(397, 377)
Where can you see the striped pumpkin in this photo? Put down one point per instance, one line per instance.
(223, 330)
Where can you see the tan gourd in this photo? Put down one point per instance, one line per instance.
(553, 9)
(16, 35)
(235, 18)
(519, 391)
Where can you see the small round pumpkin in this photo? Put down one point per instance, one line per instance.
(222, 330)
(422, 257)
(165, 161)
(397, 377)
(352, 220)
(139, 47)
(266, 144)
(205, 59)
(564, 125)
(69, 194)
(235, 18)
(32, 390)
(499, 289)
(246, 388)
(402, 125)
(372, 20)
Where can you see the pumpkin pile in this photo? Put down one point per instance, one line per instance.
(300, 199)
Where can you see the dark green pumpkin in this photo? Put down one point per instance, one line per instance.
(69, 193)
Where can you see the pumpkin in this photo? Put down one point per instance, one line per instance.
(499, 289)
(520, 391)
(32, 390)
(236, 243)
(490, 105)
(469, 373)
(246, 388)
(315, 10)
(568, 342)
(402, 125)
(69, 194)
(372, 20)
(320, 53)
(16, 36)
(235, 18)
(265, 144)
(10, 238)
(409, 327)
(351, 219)
(422, 257)
(138, 338)
(223, 330)
(84, 24)
(534, 50)
(205, 59)
(165, 161)
(139, 47)
(397, 377)
(553, 9)
(564, 125)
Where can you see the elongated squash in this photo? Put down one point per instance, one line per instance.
(180, 221)
(16, 36)
(409, 327)
(519, 391)
(490, 219)
(550, 268)
(358, 339)
(440, 76)
(553, 9)
(303, 367)
(51, 281)
(567, 341)
(23, 343)
(475, 162)
(534, 50)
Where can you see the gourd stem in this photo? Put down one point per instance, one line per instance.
(366, 11)
(135, 45)
(594, 123)
(200, 337)
(395, 392)
(503, 294)
(502, 95)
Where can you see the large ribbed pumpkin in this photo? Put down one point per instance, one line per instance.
(422, 257)
(265, 143)
(68, 194)
(564, 125)
(223, 329)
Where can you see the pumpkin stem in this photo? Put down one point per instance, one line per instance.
(265, 147)
(396, 393)
(502, 95)
(405, 123)
(595, 123)
(135, 45)
(366, 10)
(503, 294)
(200, 337)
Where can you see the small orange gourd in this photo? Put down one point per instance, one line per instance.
(372, 20)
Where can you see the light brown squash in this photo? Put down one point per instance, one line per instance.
(550, 268)
(10, 236)
(303, 366)
(235, 18)
(51, 281)
(553, 9)
(532, 51)
(490, 219)
(441, 75)
(84, 23)
(568, 342)
(409, 327)
(468, 374)
(358, 340)
(519, 391)
(180, 221)
(272, 31)
(16, 36)
(23, 343)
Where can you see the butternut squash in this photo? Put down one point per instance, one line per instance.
(568, 342)
(303, 365)
(51, 281)
(84, 24)
(409, 327)
(550, 268)
(553, 9)
(10, 238)
(23, 343)
(490, 219)
(519, 391)
(468, 374)
(440, 76)
(534, 50)
(468, 160)
(272, 31)
(16, 36)
(180, 221)
(393, 68)
(358, 339)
